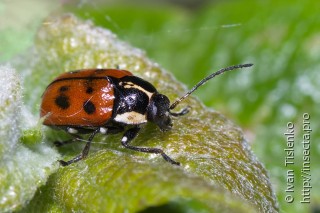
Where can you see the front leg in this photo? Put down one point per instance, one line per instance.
(130, 134)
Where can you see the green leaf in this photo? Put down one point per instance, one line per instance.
(111, 181)
(23, 169)
(218, 172)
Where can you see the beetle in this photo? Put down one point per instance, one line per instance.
(110, 101)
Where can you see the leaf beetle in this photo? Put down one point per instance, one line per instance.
(105, 101)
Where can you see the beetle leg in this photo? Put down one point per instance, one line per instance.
(130, 134)
(84, 152)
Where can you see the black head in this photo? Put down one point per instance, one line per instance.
(158, 111)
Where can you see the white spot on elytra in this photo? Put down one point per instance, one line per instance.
(124, 139)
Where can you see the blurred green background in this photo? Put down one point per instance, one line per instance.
(193, 38)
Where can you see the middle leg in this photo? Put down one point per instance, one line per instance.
(131, 134)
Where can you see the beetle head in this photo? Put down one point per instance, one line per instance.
(158, 111)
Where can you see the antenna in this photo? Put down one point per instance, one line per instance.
(203, 81)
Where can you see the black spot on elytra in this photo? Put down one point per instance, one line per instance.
(89, 107)
(89, 90)
(63, 88)
(62, 101)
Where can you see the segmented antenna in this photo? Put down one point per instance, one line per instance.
(203, 81)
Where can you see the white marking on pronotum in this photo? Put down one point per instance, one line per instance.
(128, 84)
(103, 130)
(72, 131)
